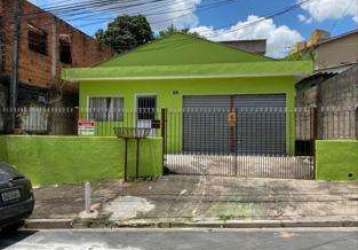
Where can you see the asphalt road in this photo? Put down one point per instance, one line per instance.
(157, 239)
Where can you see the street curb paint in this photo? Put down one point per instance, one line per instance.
(68, 223)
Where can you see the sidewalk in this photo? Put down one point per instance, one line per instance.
(198, 199)
(67, 201)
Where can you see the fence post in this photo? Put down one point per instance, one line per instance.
(137, 142)
(314, 137)
(356, 122)
(125, 159)
(88, 197)
(313, 128)
(233, 140)
(164, 121)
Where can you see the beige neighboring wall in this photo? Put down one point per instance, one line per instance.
(337, 52)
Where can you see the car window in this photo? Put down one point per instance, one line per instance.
(8, 172)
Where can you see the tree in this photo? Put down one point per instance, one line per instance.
(172, 29)
(125, 33)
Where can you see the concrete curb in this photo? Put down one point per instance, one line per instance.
(239, 224)
(69, 223)
(49, 224)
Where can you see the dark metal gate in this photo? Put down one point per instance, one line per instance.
(240, 136)
(241, 124)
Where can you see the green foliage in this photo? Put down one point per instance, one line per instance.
(302, 55)
(172, 30)
(126, 33)
(337, 160)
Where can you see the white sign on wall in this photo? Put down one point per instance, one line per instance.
(86, 127)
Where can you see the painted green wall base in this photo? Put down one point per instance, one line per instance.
(51, 160)
(337, 160)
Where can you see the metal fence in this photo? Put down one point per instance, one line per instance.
(250, 142)
(260, 142)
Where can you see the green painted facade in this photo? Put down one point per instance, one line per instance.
(337, 160)
(181, 65)
(170, 95)
(41, 158)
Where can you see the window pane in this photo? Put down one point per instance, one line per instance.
(97, 108)
(106, 108)
(117, 109)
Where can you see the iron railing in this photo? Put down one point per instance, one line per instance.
(264, 142)
(193, 130)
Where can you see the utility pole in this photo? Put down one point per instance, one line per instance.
(1, 45)
(17, 12)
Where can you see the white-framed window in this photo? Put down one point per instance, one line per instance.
(105, 108)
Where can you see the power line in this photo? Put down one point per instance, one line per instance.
(207, 6)
(210, 5)
(92, 4)
(266, 17)
(213, 5)
(200, 8)
(343, 14)
(269, 16)
(84, 15)
(97, 4)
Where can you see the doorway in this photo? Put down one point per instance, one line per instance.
(146, 106)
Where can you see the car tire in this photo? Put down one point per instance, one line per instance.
(11, 228)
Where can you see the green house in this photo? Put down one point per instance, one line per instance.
(180, 73)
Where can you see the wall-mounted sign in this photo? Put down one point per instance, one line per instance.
(232, 119)
(86, 127)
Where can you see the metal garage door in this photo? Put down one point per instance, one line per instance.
(205, 128)
(260, 127)
(261, 124)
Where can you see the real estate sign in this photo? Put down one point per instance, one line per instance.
(86, 127)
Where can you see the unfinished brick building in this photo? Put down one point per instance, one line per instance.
(46, 45)
(329, 97)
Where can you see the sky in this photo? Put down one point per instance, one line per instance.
(220, 20)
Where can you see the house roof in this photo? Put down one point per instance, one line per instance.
(183, 56)
(257, 46)
(222, 70)
(352, 32)
(323, 75)
(181, 49)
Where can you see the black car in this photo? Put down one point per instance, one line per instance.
(16, 198)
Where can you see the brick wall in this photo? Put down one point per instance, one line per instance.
(340, 90)
(39, 74)
(37, 69)
(336, 100)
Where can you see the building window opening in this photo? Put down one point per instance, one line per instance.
(37, 39)
(65, 51)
